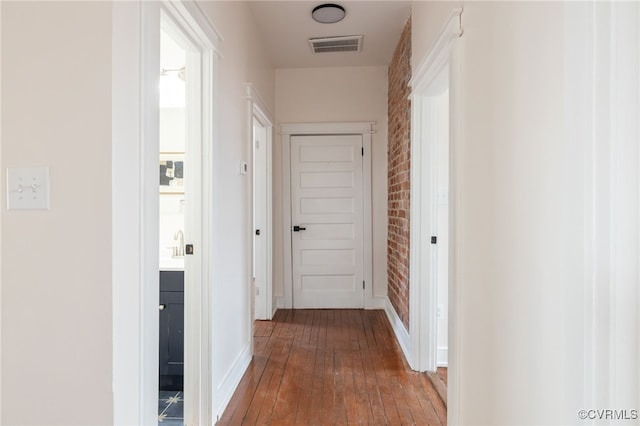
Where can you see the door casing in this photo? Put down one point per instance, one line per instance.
(442, 61)
(258, 113)
(136, 59)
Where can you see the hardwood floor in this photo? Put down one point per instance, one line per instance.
(442, 373)
(439, 382)
(331, 367)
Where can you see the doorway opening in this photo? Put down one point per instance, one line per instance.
(184, 125)
(430, 225)
(174, 203)
(262, 201)
(436, 118)
(434, 233)
(140, 31)
(185, 137)
(260, 220)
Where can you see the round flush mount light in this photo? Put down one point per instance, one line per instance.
(328, 13)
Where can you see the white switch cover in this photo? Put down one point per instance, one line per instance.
(28, 188)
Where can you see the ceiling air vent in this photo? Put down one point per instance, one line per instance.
(336, 44)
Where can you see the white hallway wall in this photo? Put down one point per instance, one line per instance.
(524, 208)
(56, 264)
(243, 60)
(345, 94)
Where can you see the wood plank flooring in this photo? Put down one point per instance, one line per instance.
(331, 367)
(442, 373)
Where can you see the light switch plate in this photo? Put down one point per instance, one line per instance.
(28, 188)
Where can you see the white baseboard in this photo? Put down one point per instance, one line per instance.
(378, 303)
(442, 359)
(281, 303)
(225, 391)
(402, 335)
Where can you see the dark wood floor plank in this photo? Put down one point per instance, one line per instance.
(328, 394)
(315, 413)
(290, 387)
(288, 394)
(429, 397)
(306, 378)
(363, 398)
(377, 353)
(263, 328)
(395, 370)
(369, 369)
(251, 380)
(263, 400)
(331, 367)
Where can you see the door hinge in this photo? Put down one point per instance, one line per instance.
(362, 150)
(257, 144)
(434, 240)
(363, 285)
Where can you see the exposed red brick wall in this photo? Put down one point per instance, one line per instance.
(399, 163)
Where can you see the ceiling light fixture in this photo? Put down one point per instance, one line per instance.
(328, 13)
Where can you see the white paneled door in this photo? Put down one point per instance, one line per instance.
(327, 238)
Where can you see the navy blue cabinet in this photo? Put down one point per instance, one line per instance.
(171, 350)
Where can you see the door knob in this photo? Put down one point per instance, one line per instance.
(161, 307)
(298, 228)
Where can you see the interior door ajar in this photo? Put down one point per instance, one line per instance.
(327, 216)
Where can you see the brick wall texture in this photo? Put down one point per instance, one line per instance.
(399, 163)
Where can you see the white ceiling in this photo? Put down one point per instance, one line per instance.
(286, 27)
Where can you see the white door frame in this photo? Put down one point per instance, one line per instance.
(602, 48)
(136, 59)
(423, 304)
(365, 129)
(257, 110)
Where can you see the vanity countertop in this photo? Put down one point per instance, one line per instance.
(172, 264)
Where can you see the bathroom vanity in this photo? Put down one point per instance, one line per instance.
(171, 348)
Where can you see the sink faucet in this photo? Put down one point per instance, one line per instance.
(178, 250)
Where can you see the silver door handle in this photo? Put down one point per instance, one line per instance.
(161, 307)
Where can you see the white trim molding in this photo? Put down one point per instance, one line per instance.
(135, 125)
(602, 70)
(126, 214)
(366, 129)
(258, 105)
(198, 19)
(257, 109)
(443, 354)
(400, 331)
(438, 55)
(441, 60)
(355, 128)
(230, 382)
